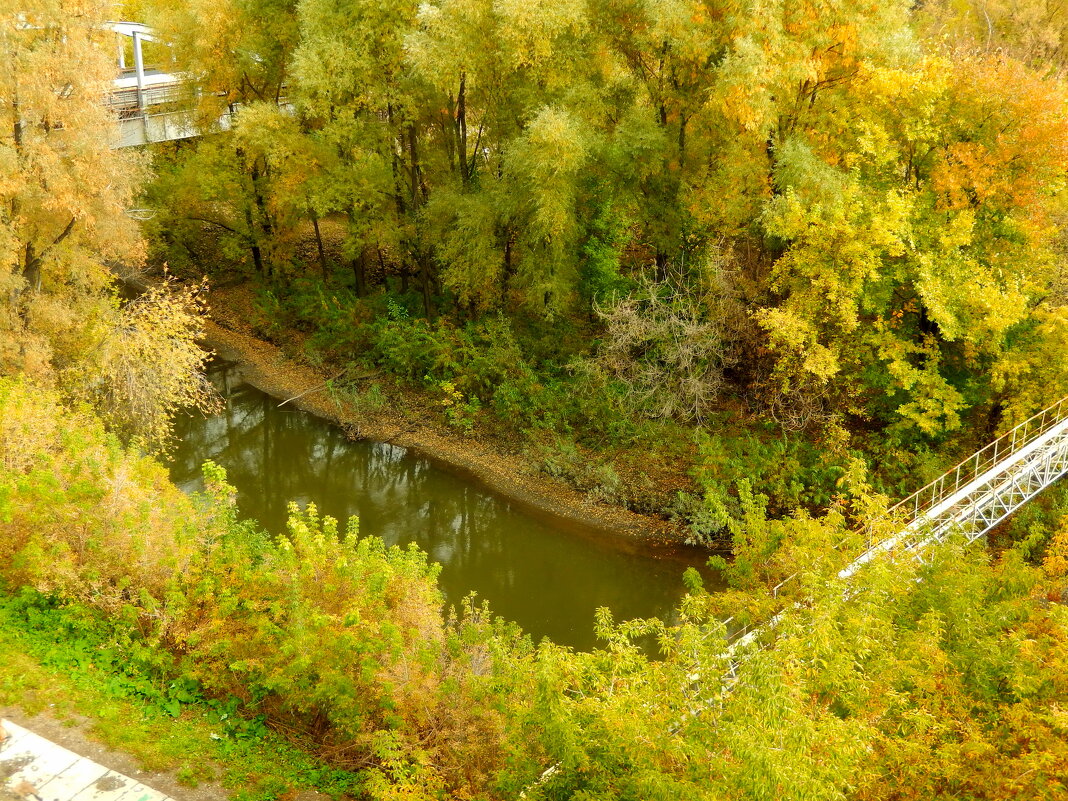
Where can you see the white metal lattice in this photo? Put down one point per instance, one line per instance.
(983, 490)
(971, 500)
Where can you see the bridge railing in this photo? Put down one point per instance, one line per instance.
(127, 104)
(949, 484)
(1001, 472)
(923, 506)
(171, 94)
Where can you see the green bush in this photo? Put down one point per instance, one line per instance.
(530, 386)
(791, 471)
(311, 624)
(328, 634)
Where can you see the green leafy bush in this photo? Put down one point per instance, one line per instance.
(312, 623)
(329, 634)
(790, 471)
(482, 359)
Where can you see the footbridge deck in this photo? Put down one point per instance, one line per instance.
(155, 103)
(970, 500)
(150, 102)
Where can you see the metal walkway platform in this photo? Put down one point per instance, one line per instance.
(35, 769)
(156, 104)
(970, 500)
(981, 492)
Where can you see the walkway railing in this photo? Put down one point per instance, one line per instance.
(970, 499)
(129, 102)
(982, 491)
(154, 105)
(997, 452)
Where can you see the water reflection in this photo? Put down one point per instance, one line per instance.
(546, 575)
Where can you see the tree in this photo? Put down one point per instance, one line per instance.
(147, 365)
(63, 224)
(235, 51)
(1033, 31)
(910, 259)
(64, 192)
(896, 213)
(233, 54)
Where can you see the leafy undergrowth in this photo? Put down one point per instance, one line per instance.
(71, 663)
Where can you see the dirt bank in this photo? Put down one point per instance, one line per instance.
(409, 421)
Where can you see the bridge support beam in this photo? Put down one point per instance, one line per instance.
(139, 71)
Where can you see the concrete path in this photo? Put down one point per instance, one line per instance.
(35, 769)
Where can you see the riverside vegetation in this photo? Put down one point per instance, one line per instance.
(694, 238)
(951, 685)
(821, 240)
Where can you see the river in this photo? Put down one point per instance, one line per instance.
(546, 573)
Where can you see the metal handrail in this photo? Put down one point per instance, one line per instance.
(125, 101)
(744, 643)
(963, 474)
(1004, 447)
(969, 476)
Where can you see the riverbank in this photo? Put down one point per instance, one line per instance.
(407, 418)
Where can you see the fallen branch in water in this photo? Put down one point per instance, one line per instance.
(327, 383)
(323, 385)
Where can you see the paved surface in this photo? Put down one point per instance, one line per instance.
(35, 769)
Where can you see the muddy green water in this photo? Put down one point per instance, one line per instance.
(547, 574)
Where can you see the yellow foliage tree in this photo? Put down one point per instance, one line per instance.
(63, 191)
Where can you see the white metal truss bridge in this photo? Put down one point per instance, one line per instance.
(981, 492)
(969, 500)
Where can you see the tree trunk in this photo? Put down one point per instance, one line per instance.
(318, 241)
(253, 241)
(413, 156)
(682, 143)
(509, 267)
(398, 197)
(448, 132)
(359, 273)
(425, 281)
(16, 124)
(261, 206)
(461, 129)
(422, 258)
(31, 271)
(257, 259)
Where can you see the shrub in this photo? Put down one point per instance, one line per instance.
(671, 341)
(82, 517)
(314, 626)
(521, 382)
(330, 635)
